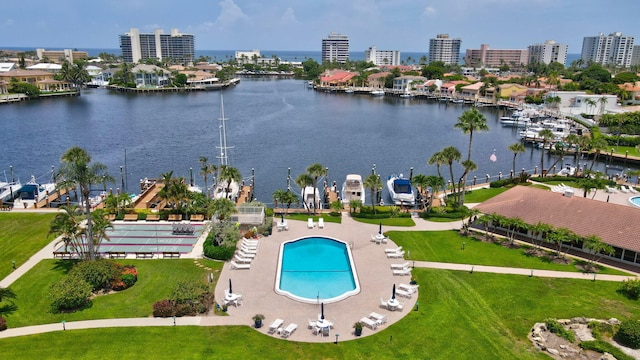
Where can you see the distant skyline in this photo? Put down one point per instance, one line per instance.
(405, 25)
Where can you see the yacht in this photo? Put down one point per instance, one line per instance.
(400, 190)
(32, 192)
(308, 196)
(377, 92)
(223, 189)
(352, 189)
(517, 119)
(8, 189)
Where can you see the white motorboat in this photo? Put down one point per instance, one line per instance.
(378, 92)
(32, 192)
(515, 120)
(307, 195)
(567, 170)
(223, 189)
(353, 189)
(400, 190)
(9, 189)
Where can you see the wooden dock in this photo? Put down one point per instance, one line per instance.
(49, 198)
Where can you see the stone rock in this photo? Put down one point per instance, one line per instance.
(579, 320)
(537, 339)
(553, 351)
(607, 356)
(613, 321)
(563, 346)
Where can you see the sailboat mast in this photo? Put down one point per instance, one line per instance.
(224, 159)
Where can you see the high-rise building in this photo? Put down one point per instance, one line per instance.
(444, 49)
(138, 47)
(548, 52)
(635, 57)
(382, 57)
(335, 48)
(485, 57)
(60, 56)
(608, 49)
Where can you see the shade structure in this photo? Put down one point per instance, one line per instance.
(380, 229)
(230, 289)
(282, 217)
(393, 292)
(322, 311)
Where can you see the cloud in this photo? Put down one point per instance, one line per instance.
(429, 11)
(289, 17)
(230, 14)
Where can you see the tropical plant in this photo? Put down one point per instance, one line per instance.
(223, 208)
(228, 175)
(206, 169)
(316, 171)
(290, 198)
(451, 154)
(516, 148)
(545, 135)
(437, 159)
(560, 236)
(597, 144)
(277, 197)
(77, 170)
(421, 182)
(469, 122)
(374, 184)
(304, 180)
(538, 233)
(597, 247)
(592, 181)
(354, 205)
(7, 296)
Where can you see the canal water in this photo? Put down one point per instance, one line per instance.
(273, 125)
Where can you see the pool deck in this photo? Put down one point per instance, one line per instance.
(372, 266)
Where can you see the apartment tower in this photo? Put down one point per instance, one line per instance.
(382, 57)
(548, 52)
(335, 48)
(444, 49)
(137, 47)
(608, 49)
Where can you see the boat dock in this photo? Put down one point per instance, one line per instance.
(51, 198)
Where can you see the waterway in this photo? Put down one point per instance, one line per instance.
(273, 124)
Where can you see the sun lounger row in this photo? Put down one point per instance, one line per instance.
(289, 330)
(396, 255)
(628, 189)
(244, 255)
(311, 224)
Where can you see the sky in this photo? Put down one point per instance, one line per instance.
(404, 25)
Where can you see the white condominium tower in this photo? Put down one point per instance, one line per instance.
(382, 57)
(548, 52)
(444, 49)
(608, 49)
(138, 47)
(335, 48)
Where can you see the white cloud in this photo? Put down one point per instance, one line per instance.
(230, 13)
(429, 11)
(288, 17)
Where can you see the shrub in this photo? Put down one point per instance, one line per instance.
(601, 329)
(224, 252)
(163, 308)
(629, 334)
(602, 347)
(100, 274)
(3, 324)
(631, 288)
(185, 309)
(70, 293)
(556, 328)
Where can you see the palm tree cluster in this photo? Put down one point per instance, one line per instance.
(314, 172)
(73, 230)
(174, 192)
(74, 73)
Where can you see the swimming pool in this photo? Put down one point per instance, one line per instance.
(635, 201)
(316, 269)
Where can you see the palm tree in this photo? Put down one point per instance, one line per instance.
(206, 169)
(304, 180)
(316, 171)
(603, 102)
(277, 196)
(374, 184)
(289, 198)
(591, 104)
(228, 175)
(597, 247)
(223, 208)
(77, 170)
(435, 182)
(451, 154)
(560, 236)
(7, 294)
(354, 205)
(597, 145)
(66, 225)
(541, 230)
(515, 148)
(421, 182)
(438, 160)
(545, 135)
(470, 121)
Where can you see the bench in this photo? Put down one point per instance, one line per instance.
(197, 217)
(144, 255)
(5, 208)
(117, 254)
(153, 217)
(175, 217)
(170, 255)
(131, 217)
(62, 255)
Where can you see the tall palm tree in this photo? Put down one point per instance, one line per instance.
(206, 169)
(516, 148)
(469, 122)
(304, 180)
(229, 174)
(77, 170)
(277, 196)
(316, 171)
(374, 184)
(591, 104)
(290, 198)
(603, 103)
(438, 160)
(597, 145)
(66, 225)
(545, 135)
(421, 182)
(451, 154)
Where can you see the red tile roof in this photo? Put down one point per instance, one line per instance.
(337, 77)
(616, 225)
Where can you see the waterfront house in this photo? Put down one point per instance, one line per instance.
(579, 102)
(42, 79)
(472, 91)
(633, 89)
(449, 88)
(376, 80)
(613, 223)
(337, 78)
(509, 91)
(407, 82)
(150, 76)
(7, 66)
(50, 67)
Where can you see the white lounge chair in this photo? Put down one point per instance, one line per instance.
(396, 255)
(624, 189)
(243, 254)
(403, 293)
(380, 319)
(235, 265)
(312, 324)
(398, 249)
(632, 189)
(402, 272)
(400, 266)
(383, 304)
(248, 250)
(310, 223)
(610, 190)
(289, 330)
(241, 260)
(321, 223)
(275, 325)
(249, 245)
(369, 323)
(409, 288)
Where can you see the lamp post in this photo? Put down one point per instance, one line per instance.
(64, 327)
(417, 305)
(463, 244)
(174, 320)
(337, 338)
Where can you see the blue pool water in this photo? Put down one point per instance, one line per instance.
(316, 269)
(635, 201)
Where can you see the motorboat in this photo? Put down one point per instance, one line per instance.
(515, 120)
(349, 91)
(457, 101)
(353, 189)
(224, 189)
(377, 92)
(567, 170)
(8, 189)
(32, 192)
(400, 190)
(307, 195)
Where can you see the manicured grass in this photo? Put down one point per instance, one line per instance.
(388, 222)
(622, 150)
(446, 246)
(21, 236)
(156, 279)
(304, 217)
(481, 195)
(461, 316)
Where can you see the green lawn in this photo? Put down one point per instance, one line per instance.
(388, 222)
(481, 195)
(21, 236)
(156, 279)
(446, 246)
(461, 316)
(304, 217)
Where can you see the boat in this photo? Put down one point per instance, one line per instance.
(377, 92)
(32, 192)
(457, 101)
(406, 95)
(515, 120)
(353, 189)
(567, 170)
(8, 189)
(349, 91)
(223, 189)
(308, 196)
(400, 190)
